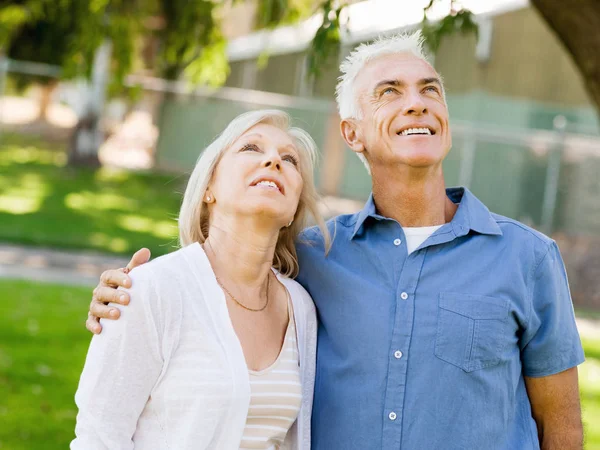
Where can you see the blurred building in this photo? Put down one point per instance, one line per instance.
(503, 89)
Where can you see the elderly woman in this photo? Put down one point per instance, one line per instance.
(216, 349)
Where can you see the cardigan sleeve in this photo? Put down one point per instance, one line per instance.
(122, 366)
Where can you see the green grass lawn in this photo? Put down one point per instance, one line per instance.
(43, 343)
(45, 203)
(42, 349)
(589, 380)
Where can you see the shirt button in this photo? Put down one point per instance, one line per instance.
(397, 242)
(404, 296)
(398, 354)
(392, 415)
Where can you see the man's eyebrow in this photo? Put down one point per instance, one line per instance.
(396, 83)
(400, 83)
(431, 80)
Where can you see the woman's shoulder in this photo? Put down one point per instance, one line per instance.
(159, 287)
(167, 278)
(173, 266)
(300, 296)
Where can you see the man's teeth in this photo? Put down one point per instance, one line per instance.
(415, 131)
(267, 183)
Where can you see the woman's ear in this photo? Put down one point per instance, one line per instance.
(209, 197)
(352, 134)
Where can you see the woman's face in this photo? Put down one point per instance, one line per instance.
(258, 175)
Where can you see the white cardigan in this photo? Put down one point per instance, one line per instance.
(170, 373)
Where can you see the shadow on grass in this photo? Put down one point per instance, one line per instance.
(45, 203)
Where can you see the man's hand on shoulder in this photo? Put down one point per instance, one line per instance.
(106, 292)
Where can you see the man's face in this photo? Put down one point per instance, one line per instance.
(404, 113)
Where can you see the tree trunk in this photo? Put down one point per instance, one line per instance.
(45, 98)
(88, 136)
(84, 143)
(576, 24)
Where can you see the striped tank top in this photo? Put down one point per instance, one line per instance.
(276, 396)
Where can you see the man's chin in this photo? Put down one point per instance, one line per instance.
(419, 161)
(418, 156)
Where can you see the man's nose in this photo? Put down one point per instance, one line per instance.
(415, 104)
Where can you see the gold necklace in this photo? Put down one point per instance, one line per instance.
(240, 303)
(233, 297)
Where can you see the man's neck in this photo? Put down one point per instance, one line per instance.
(415, 197)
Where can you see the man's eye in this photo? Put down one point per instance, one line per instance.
(388, 91)
(431, 89)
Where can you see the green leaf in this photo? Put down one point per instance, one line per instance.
(11, 18)
(461, 21)
(211, 66)
(326, 42)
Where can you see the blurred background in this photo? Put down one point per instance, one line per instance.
(105, 106)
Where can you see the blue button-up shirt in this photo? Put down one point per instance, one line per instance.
(428, 350)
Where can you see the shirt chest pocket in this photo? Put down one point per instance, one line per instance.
(471, 330)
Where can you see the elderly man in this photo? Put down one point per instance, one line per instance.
(442, 325)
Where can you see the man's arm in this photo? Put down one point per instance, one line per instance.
(550, 353)
(556, 409)
(106, 292)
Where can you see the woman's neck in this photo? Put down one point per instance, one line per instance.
(241, 250)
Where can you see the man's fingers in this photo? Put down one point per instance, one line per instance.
(102, 311)
(104, 294)
(93, 325)
(115, 278)
(140, 257)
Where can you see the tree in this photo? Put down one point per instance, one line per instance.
(43, 44)
(188, 33)
(76, 34)
(577, 25)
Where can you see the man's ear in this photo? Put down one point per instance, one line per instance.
(352, 134)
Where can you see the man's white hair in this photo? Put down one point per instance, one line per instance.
(347, 100)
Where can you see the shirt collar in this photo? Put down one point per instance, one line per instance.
(369, 210)
(471, 214)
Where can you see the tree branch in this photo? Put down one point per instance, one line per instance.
(576, 24)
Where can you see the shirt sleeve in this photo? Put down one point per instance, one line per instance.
(550, 344)
(122, 366)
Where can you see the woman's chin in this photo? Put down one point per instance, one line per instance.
(265, 210)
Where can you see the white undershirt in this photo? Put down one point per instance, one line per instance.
(415, 236)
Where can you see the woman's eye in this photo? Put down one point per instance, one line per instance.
(250, 147)
(291, 159)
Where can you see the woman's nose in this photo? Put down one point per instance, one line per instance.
(272, 161)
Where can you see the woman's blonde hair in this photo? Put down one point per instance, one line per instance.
(194, 214)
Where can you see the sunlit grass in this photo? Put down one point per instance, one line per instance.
(22, 195)
(161, 229)
(44, 202)
(589, 381)
(86, 201)
(42, 348)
